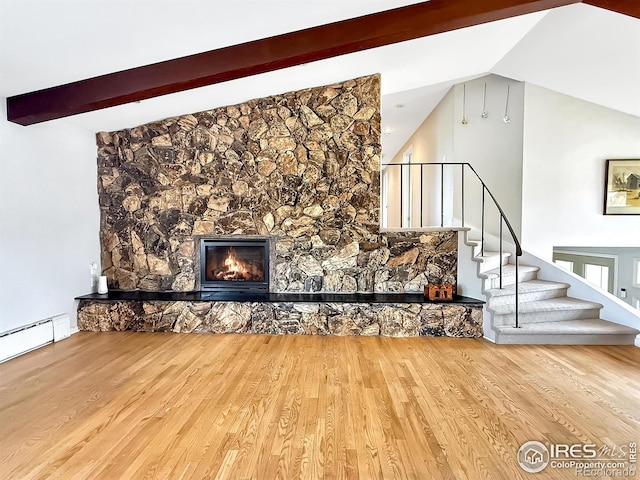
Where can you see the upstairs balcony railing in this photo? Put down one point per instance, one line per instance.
(449, 187)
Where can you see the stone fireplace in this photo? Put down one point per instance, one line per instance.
(300, 170)
(232, 264)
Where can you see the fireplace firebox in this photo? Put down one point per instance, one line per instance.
(231, 265)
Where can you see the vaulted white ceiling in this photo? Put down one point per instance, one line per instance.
(579, 50)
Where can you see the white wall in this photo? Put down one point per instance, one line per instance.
(566, 143)
(437, 146)
(492, 147)
(625, 271)
(431, 142)
(392, 194)
(49, 219)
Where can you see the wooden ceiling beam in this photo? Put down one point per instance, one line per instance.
(626, 7)
(269, 54)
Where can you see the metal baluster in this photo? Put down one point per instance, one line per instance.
(462, 193)
(517, 299)
(442, 194)
(482, 226)
(401, 196)
(500, 251)
(421, 188)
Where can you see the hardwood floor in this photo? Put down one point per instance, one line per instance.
(136, 405)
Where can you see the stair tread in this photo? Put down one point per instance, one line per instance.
(488, 254)
(589, 326)
(527, 287)
(508, 269)
(548, 305)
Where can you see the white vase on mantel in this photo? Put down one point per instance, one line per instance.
(102, 285)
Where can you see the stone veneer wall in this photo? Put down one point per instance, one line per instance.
(394, 319)
(301, 168)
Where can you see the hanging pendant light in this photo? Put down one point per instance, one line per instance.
(464, 104)
(484, 114)
(506, 118)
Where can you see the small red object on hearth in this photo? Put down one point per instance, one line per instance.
(439, 291)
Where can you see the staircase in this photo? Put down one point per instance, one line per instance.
(546, 314)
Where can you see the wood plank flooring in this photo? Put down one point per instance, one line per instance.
(121, 405)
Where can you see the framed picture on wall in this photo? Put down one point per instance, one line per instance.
(622, 187)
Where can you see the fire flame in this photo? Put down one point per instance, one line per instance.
(236, 268)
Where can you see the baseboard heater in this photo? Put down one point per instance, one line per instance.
(24, 339)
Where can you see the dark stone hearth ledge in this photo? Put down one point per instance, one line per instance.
(331, 297)
(415, 230)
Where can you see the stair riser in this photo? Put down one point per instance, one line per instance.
(489, 263)
(526, 297)
(488, 247)
(546, 316)
(490, 283)
(565, 339)
(475, 248)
